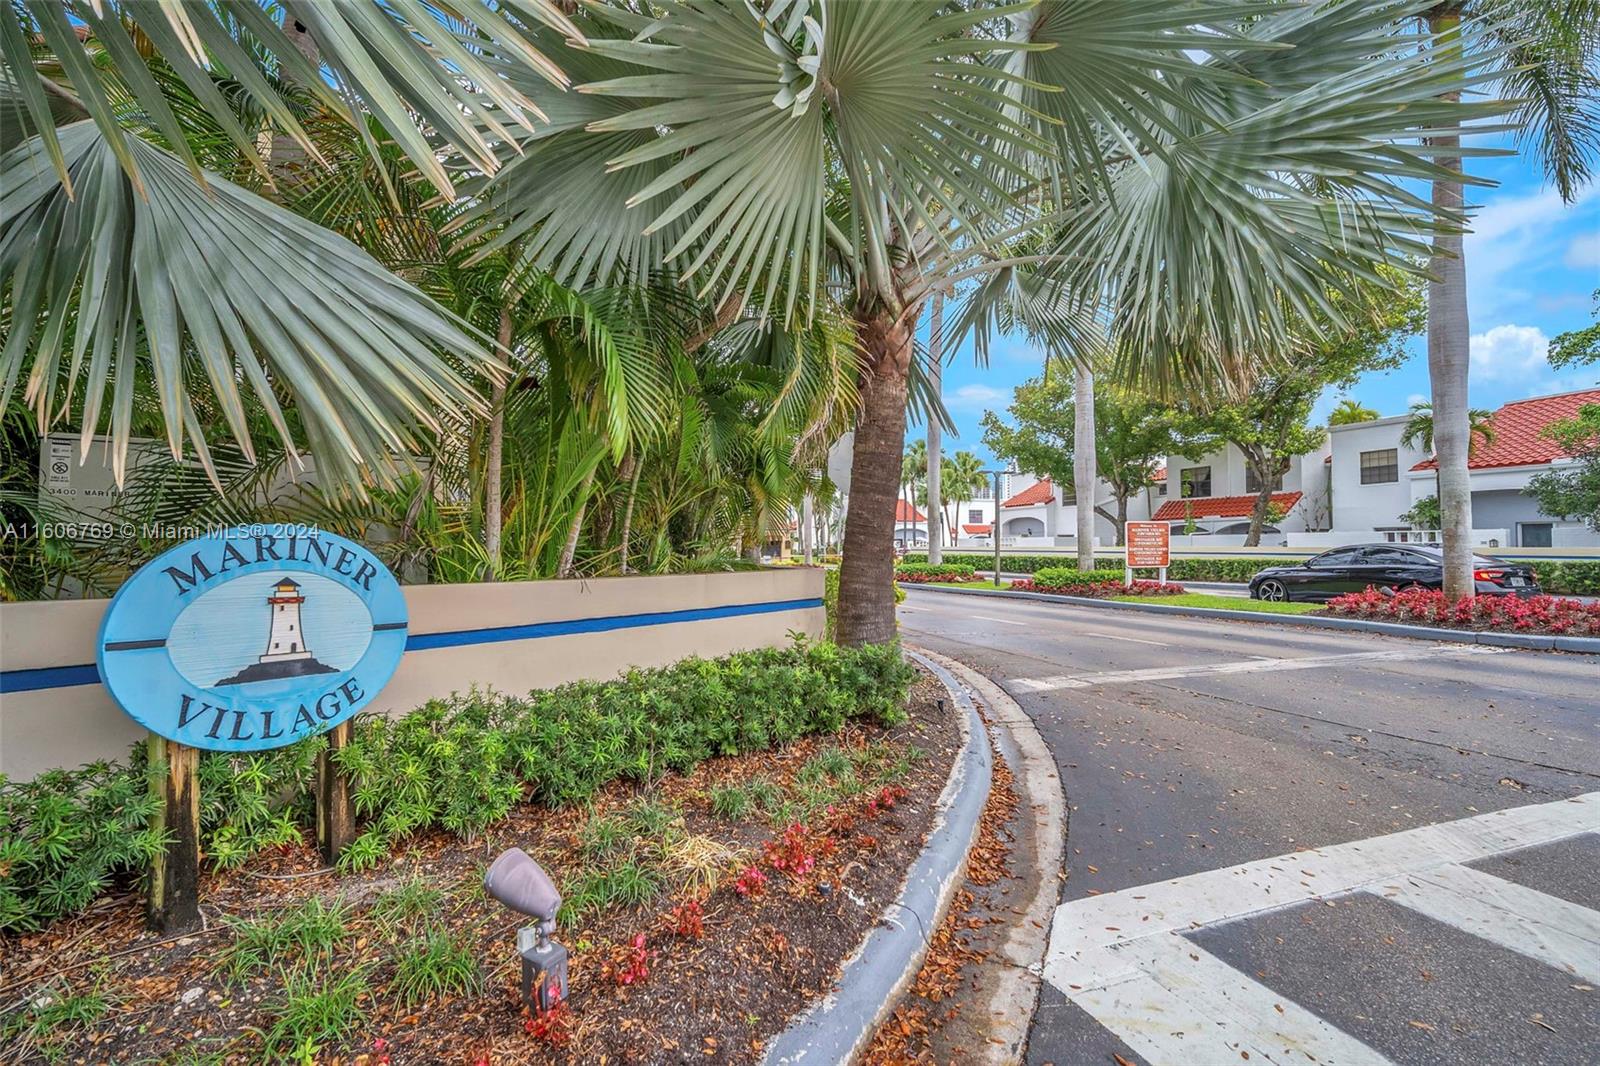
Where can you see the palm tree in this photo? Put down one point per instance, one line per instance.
(1083, 461)
(1419, 433)
(886, 152)
(1543, 52)
(167, 269)
(1349, 412)
(913, 477)
(962, 478)
(778, 158)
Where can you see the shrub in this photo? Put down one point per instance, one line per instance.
(1577, 578)
(65, 835)
(459, 764)
(1094, 583)
(1100, 590)
(1512, 614)
(920, 573)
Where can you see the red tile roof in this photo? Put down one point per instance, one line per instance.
(904, 512)
(1219, 506)
(1161, 473)
(974, 530)
(1519, 429)
(1032, 496)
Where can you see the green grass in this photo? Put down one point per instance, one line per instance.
(313, 1010)
(980, 583)
(308, 931)
(1227, 603)
(48, 1023)
(437, 964)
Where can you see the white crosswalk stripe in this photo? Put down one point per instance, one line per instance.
(1121, 956)
(1247, 666)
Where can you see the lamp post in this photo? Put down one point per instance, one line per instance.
(994, 527)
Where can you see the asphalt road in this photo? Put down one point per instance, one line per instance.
(1291, 845)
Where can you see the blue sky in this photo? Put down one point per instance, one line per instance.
(1532, 264)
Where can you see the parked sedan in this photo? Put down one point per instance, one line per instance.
(1384, 566)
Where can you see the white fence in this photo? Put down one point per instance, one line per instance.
(1481, 538)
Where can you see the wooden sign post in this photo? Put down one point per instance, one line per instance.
(172, 904)
(1149, 544)
(244, 640)
(336, 809)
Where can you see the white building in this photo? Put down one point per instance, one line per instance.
(1370, 491)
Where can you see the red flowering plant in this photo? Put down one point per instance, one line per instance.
(752, 883)
(1505, 614)
(553, 1027)
(688, 920)
(1093, 584)
(633, 967)
(795, 853)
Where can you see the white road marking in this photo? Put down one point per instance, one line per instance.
(1002, 621)
(1187, 1006)
(1554, 931)
(1247, 666)
(1119, 955)
(1130, 640)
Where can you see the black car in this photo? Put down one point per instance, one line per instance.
(1384, 566)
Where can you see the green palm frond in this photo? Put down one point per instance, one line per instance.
(192, 282)
(397, 60)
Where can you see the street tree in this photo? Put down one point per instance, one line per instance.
(884, 152)
(962, 478)
(1271, 421)
(1543, 53)
(1132, 437)
(1199, 174)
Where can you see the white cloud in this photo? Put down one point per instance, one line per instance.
(976, 398)
(1416, 398)
(1509, 353)
(1584, 252)
(1511, 242)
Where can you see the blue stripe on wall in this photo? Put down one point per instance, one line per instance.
(67, 676)
(48, 677)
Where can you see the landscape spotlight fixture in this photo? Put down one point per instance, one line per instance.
(517, 881)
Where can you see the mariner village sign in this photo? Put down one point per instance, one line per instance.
(252, 638)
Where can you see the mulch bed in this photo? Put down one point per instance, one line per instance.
(716, 997)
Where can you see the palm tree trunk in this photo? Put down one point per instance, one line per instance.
(1448, 339)
(807, 524)
(866, 573)
(1084, 472)
(936, 366)
(492, 478)
(627, 513)
(569, 550)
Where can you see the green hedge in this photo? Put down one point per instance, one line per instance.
(459, 764)
(1558, 578)
(933, 571)
(1062, 576)
(1019, 564)
(1569, 579)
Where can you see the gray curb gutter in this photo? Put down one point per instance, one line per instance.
(1006, 985)
(1533, 641)
(837, 1029)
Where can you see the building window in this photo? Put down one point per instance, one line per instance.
(1161, 488)
(1380, 467)
(1194, 481)
(975, 516)
(1252, 484)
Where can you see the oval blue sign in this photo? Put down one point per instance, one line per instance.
(252, 638)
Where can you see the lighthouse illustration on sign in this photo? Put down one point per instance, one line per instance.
(287, 654)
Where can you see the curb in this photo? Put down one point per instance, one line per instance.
(838, 1028)
(1010, 977)
(1532, 641)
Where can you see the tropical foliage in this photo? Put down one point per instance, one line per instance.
(510, 328)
